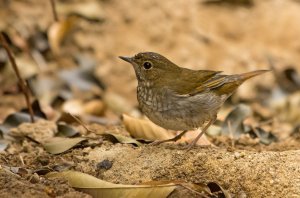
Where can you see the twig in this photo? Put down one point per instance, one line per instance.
(22, 83)
(81, 123)
(55, 16)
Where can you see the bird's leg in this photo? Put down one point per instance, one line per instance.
(193, 143)
(174, 139)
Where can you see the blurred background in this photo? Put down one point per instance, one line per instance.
(71, 61)
(84, 97)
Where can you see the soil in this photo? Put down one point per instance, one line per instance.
(244, 173)
(234, 38)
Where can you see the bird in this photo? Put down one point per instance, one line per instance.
(178, 98)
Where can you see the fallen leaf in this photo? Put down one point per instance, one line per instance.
(100, 188)
(73, 106)
(3, 145)
(17, 170)
(37, 110)
(145, 129)
(58, 31)
(26, 66)
(233, 124)
(45, 87)
(296, 132)
(263, 136)
(201, 189)
(82, 78)
(217, 190)
(116, 138)
(3, 58)
(90, 10)
(191, 135)
(94, 107)
(288, 78)
(60, 145)
(287, 108)
(101, 120)
(39, 41)
(214, 130)
(66, 130)
(43, 170)
(293, 76)
(62, 167)
(14, 120)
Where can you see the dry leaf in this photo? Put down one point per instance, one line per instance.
(121, 139)
(233, 124)
(74, 107)
(218, 189)
(191, 135)
(160, 189)
(91, 10)
(80, 107)
(94, 107)
(3, 144)
(64, 130)
(145, 129)
(58, 31)
(60, 145)
(287, 108)
(26, 66)
(100, 188)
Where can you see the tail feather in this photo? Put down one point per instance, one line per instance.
(234, 81)
(246, 76)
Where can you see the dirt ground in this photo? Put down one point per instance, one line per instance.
(230, 37)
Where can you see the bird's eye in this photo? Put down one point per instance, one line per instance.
(147, 65)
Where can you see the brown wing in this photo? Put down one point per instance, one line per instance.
(188, 81)
(211, 84)
(225, 84)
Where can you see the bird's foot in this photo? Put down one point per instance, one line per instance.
(190, 145)
(156, 142)
(174, 139)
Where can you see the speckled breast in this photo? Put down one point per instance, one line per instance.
(172, 111)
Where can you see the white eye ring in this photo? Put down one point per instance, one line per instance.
(147, 65)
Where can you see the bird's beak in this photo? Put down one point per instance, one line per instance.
(127, 59)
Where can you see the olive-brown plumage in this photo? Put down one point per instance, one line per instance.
(178, 98)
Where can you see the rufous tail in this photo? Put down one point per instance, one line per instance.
(246, 76)
(234, 81)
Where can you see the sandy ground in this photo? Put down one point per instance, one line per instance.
(230, 38)
(244, 173)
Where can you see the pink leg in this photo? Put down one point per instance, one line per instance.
(193, 143)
